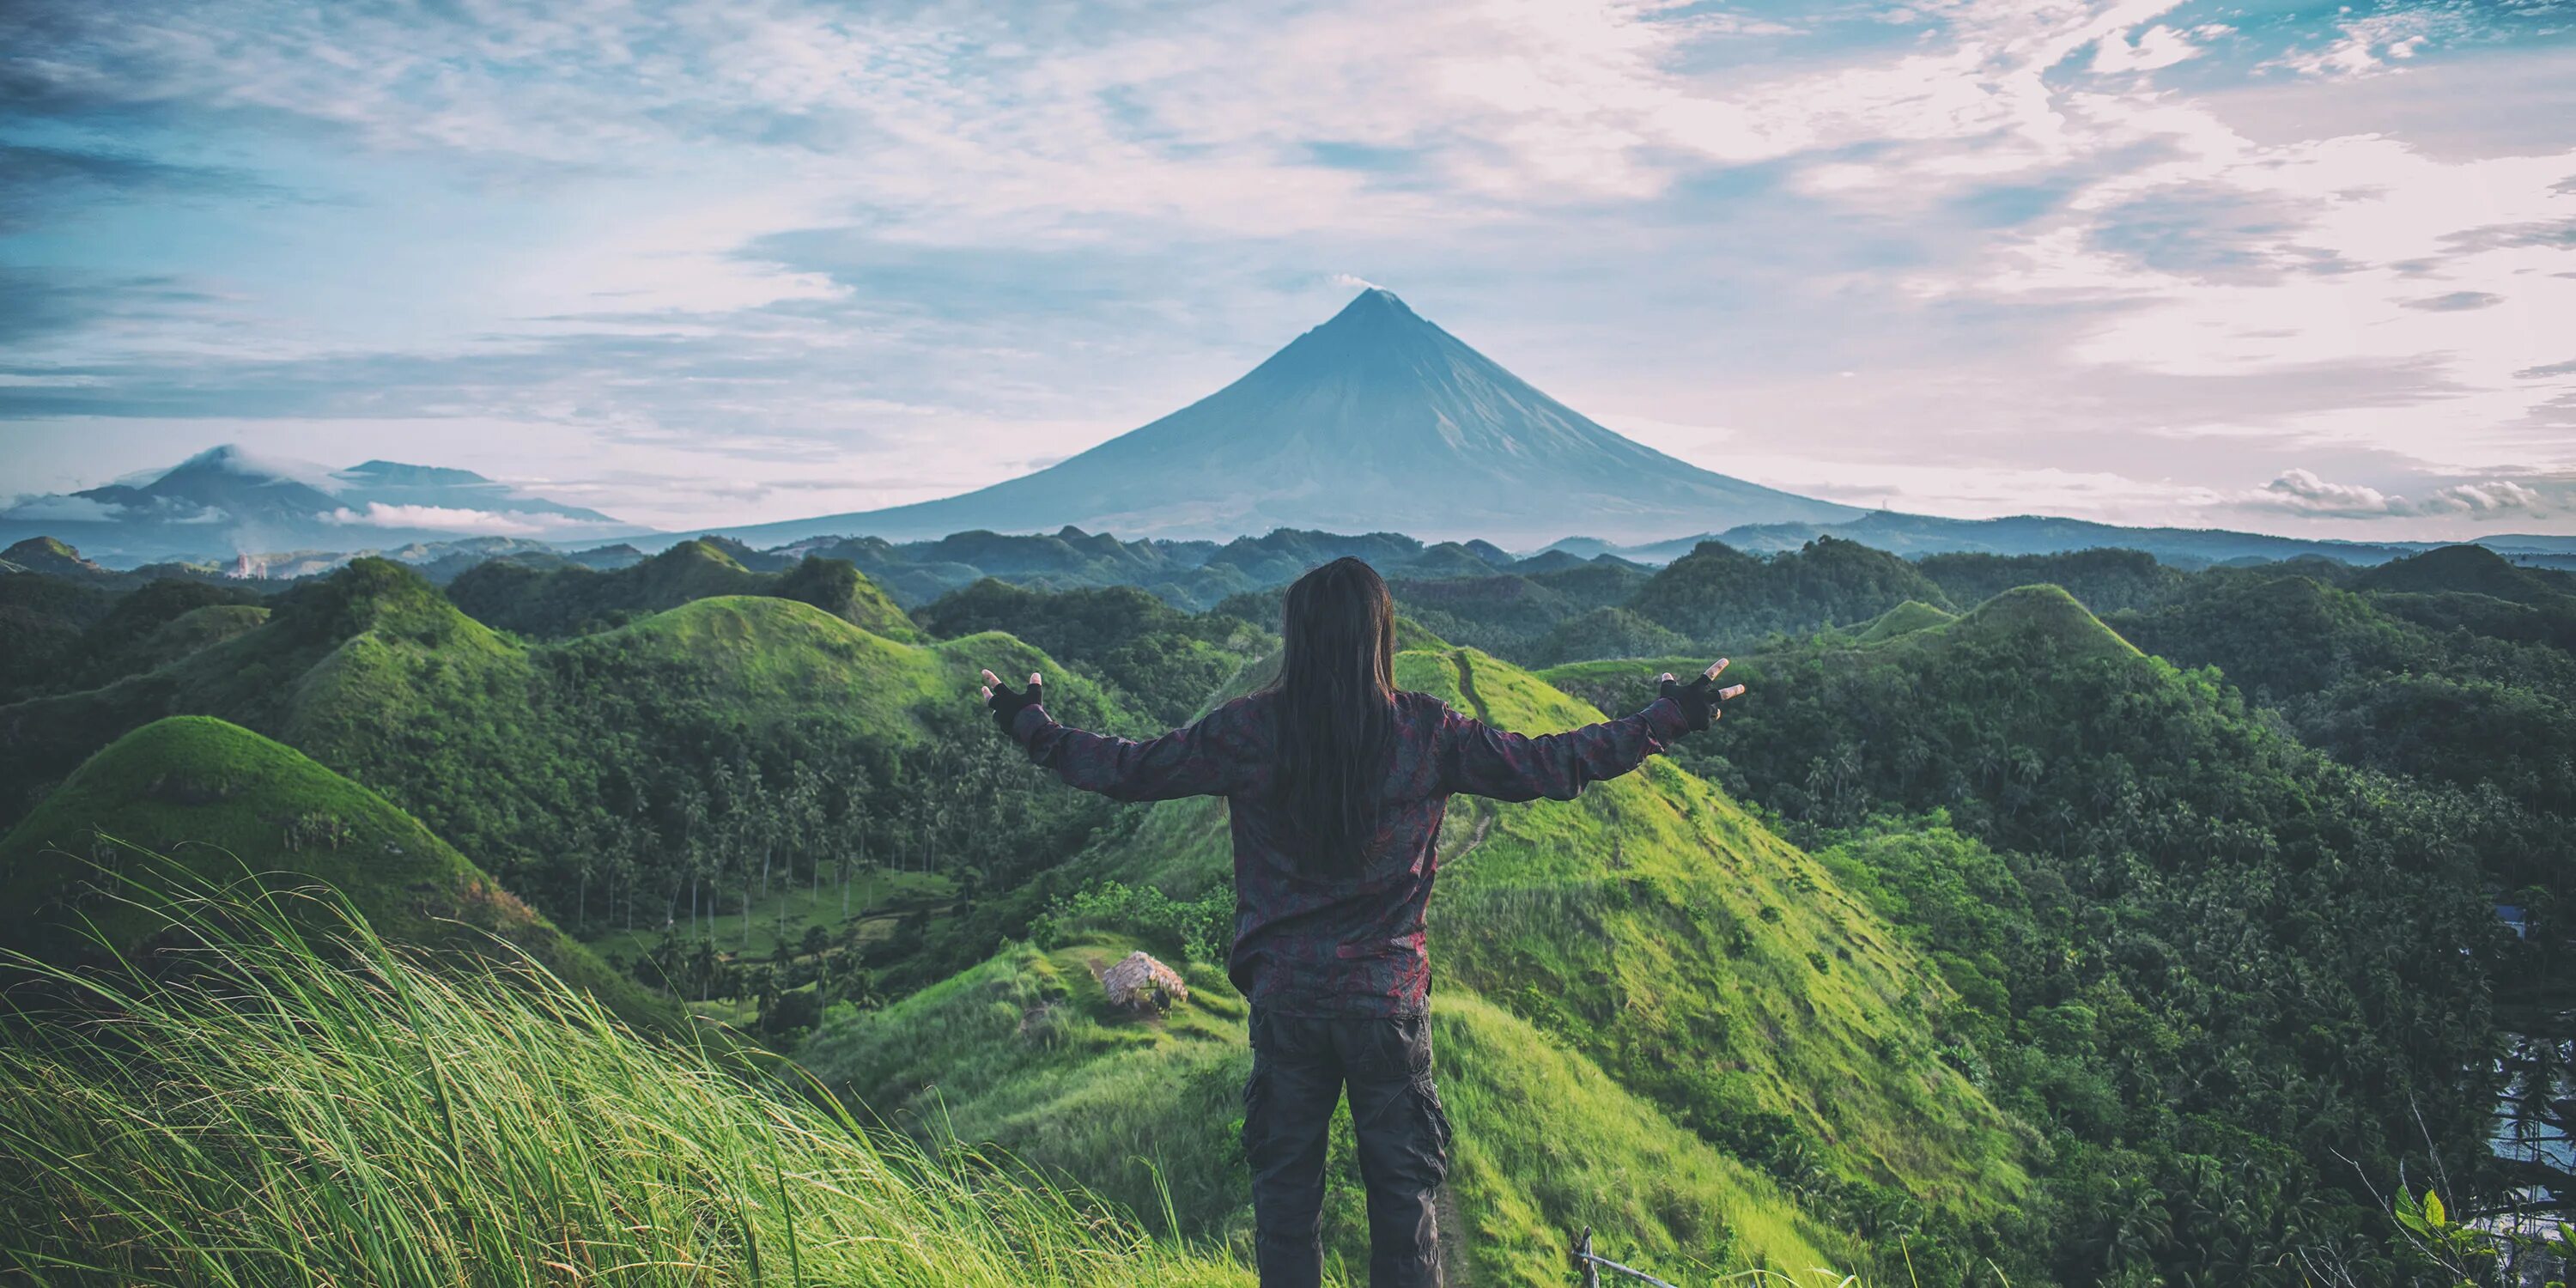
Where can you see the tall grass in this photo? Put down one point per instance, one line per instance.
(298, 1102)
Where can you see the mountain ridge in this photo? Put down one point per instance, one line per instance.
(1915, 535)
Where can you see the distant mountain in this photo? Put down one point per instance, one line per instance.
(1375, 420)
(1916, 535)
(225, 502)
(2468, 570)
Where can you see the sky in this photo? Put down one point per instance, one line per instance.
(2291, 267)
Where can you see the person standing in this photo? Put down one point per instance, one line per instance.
(1337, 783)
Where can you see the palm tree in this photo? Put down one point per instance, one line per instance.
(693, 822)
(859, 819)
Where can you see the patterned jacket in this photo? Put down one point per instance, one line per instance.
(1345, 945)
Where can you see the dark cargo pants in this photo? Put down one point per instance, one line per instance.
(1300, 1066)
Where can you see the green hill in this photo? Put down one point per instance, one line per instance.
(2039, 616)
(1719, 595)
(1912, 615)
(1491, 610)
(192, 630)
(2147, 895)
(570, 599)
(1769, 1036)
(2104, 580)
(2460, 688)
(225, 803)
(1190, 575)
(41, 619)
(1604, 581)
(2467, 570)
(1652, 915)
(60, 633)
(2471, 590)
(310, 1105)
(1602, 633)
(1160, 660)
(52, 558)
(728, 744)
(1024, 1051)
(1447, 561)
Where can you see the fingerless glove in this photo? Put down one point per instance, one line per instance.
(1007, 702)
(1698, 699)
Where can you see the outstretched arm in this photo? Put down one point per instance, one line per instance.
(1193, 761)
(1481, 760)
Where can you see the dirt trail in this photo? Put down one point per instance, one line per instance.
(1467, 682)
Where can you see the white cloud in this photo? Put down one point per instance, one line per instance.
(2495, 497)
(2303, 492)
(2364, 250)
(63, 509)
(439, 518)
(2372, 44)
(2157, 47)
(249, 463)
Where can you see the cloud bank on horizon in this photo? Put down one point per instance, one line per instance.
(2253, 264)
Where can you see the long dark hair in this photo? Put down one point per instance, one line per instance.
(1335, 707)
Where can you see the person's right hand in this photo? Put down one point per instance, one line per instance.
(1698, 699)
(1005, 702)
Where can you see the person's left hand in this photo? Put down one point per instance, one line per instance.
(1698, 699)
(1005, 702)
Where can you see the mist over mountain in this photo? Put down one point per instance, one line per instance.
(227, 500)
(1375, 420)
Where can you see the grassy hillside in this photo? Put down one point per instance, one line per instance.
(1719, 595)
(1655, 926)
(61, 633)
(2467, 570)
(1025, 1051)
(570, 599)
(2441, 686)
(52, 558)
(226, 803)
(1603, 632)
(312, 1106)
(2103, 580)
(41, 618)
(1653, 932)
(1160, 660)
(1912, 615)
(2159, 962)
(684, 764)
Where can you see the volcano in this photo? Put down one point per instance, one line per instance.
(1376, 420)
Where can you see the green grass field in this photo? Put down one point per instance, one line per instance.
(311, 1105)
(876, 899)
(1025, 1051)
(1912, 615)
(229, 805)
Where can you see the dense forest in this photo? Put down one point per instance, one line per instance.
(2220, 908)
